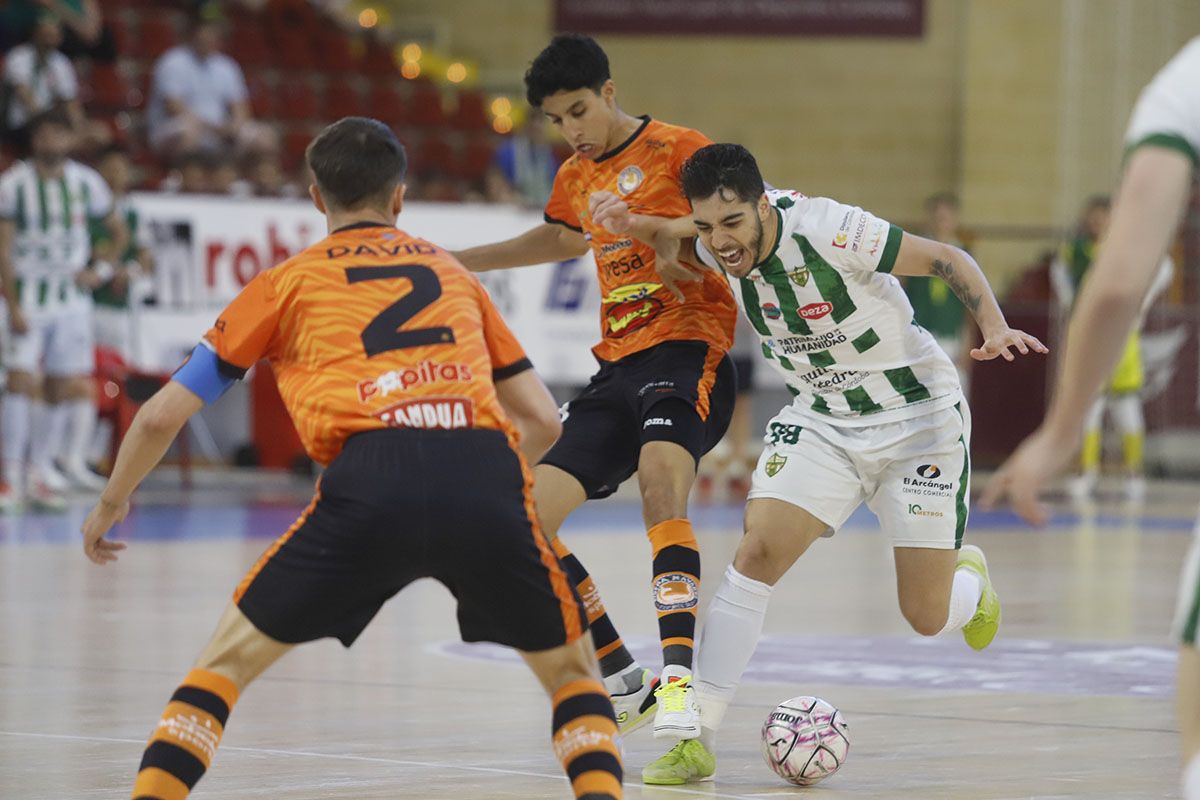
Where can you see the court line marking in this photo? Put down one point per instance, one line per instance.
(372, 760)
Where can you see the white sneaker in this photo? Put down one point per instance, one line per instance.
(82, 477)
(43, 498)
(1081, 487)
(635, 708)
(678, 715)
(1135, 489)
(54, 480)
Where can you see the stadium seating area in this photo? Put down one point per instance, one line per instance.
(303, 70)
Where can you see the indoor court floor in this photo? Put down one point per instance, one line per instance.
(1073, 700)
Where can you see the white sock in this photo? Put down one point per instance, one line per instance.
(82, 416)
(1191, 779)
(14, 430)
(964, 600)
(727, 640)
(48, 426)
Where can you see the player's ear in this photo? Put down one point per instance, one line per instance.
(764, 207)
(315, 193)
(398, 198)
(608, 92)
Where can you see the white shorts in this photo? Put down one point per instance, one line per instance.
(1187, 609)
(61, 345)
(914, 474)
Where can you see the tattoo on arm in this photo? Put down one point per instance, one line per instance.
(945, 271)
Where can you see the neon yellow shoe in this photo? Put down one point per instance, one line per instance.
(982, 628)
(686, 762)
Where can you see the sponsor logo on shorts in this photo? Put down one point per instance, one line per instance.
(771, 310)
(815, 310)
(675, 592)
(775, 463)
(915, 510)
(402, 380)
(658, 387)
(436, 413)
(657, 421)
(927, 484)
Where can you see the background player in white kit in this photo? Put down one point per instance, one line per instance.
(1162, 153)
(878, 415)
(46, 205)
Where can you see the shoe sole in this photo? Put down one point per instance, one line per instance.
(671, 732)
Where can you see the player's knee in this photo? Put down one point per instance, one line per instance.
(927, 619)
(661, 501)
(756, 560)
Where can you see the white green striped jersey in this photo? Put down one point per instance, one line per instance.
(52, 217)
(1167, 113)
(835, 324)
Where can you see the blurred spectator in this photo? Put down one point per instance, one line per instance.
(38, 78)
(264, 173)
(223, 177)
(199, 99)
(191, 173)
(935, 308)
(85, 34)
(435, 186)
(523, 170)
(132, 268)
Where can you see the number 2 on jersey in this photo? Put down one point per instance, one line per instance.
(383, 333)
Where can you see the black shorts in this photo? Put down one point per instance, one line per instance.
(398, 505)
(745, 373)
(681, 392)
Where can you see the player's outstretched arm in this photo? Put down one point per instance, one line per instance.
(154, 428)
(919, 256)
(1154, 191)
(529, 405)
(545, 244)
(667, 235)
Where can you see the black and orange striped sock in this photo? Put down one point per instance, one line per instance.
(676, 588)
(611, 651)
(586, 740)
(185, 741)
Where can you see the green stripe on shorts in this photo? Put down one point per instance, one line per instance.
(960, 501)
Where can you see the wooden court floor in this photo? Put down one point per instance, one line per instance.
(1072, 701)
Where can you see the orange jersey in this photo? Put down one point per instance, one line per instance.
(637, 311)
(372, 328)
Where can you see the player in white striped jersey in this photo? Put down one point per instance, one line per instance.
(1162, 154)
(878, 415)
(46, 205)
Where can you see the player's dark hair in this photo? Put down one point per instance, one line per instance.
(571, 61)
(722, 168)
(356, 161)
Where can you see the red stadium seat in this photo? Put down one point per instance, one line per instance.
(157, 35)
(294, 51)
(378, 61)
(298, 101)
(341, 100)
(249, 47)
(338, 53)
(434, 154)
(385, 103)
(110, 91)
(476, 158)
(471, 113)
(262, 97)
(295, 142)
(426, 105)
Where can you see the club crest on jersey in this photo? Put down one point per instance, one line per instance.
(799, 276)
(841, 240)
(629, 179)
(772, 311)
(775, 463)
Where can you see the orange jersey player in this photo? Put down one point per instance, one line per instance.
(664, 393)
(400, 376)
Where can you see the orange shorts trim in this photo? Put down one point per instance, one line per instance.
(707, 378)
(559, 582)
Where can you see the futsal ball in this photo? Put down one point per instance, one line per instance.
(805, 740)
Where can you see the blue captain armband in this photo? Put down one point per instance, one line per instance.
(202, 374)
